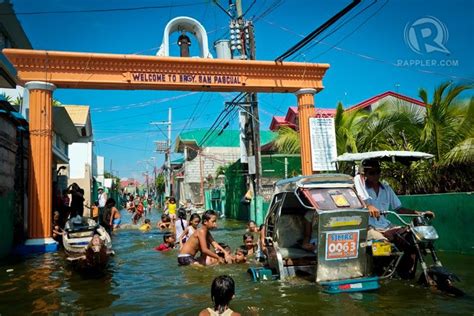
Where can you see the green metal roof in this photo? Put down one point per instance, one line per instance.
(177, 161)
(229, 138)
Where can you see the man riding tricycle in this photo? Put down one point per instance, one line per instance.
(335, 229)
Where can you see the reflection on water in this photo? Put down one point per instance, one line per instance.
(141, 280)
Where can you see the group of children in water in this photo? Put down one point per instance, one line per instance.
(191, 239)
(187, 236)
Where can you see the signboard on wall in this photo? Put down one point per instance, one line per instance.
(323, 143)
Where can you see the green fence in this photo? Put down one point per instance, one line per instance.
(454, 218)
(274, 167)
(235, 190)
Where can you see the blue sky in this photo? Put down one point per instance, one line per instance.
(363, 54)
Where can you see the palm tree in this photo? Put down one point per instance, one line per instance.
(447, 132)
(288, 141)
(346, 132)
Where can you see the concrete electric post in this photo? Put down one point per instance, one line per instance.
(165, 147)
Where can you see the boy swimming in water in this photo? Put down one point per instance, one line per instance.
(201, 241)
(168, 242)
(240, 255)
(146, 226)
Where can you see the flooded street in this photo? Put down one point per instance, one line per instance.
(141, 280)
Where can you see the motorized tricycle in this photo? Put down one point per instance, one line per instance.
(325, 210)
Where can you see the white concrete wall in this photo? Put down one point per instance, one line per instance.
(100, 169)
(80, 155)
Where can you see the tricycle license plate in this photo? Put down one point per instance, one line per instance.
(342, 244)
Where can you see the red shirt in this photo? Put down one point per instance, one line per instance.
(163, 247)
(140, 208)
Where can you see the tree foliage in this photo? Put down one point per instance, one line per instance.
(160, 183)
(288, 141)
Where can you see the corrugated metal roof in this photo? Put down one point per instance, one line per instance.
(78, 113)
(229, 138)
(177, 161)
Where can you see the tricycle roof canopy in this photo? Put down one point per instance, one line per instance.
(386, 155)
(315, 180)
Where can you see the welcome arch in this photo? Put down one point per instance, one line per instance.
(44, 71)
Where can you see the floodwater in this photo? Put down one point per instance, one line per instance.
(140, 280)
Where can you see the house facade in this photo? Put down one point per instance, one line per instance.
(370, 104)
(202, 160)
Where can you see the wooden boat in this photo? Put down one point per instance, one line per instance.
(87, 244)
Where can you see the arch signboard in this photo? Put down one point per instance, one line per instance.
(44, 71)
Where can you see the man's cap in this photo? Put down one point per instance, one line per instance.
(100, 188)
(370, 163)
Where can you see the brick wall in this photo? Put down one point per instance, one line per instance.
(211, 159)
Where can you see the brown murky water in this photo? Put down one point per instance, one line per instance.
(141, 280)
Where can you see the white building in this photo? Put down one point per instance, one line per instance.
(82, 159)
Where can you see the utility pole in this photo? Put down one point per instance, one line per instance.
(165, 147)
(242, 45)
(247, 48)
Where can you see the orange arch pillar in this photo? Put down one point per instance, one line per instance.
(40, 164)
(306, 110)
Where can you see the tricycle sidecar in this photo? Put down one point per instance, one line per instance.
(317, 227)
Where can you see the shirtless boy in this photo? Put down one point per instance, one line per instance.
(201, 241)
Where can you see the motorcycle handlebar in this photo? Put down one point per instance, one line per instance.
(399, 216)
(385, 213)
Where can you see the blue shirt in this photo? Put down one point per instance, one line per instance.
(386, 200)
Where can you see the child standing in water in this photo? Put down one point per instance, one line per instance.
(189, 231)
(181, 224)
(222, 292)
(201, 241)
(115, 217)
(249, 244)
(172, 209)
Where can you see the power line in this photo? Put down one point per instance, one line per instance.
(375, 59)
(317, 31)
(125, 147)
(354, 30)
(142, 104)
(219, 120)
(165, 6)
(338, 27)
(271, 8)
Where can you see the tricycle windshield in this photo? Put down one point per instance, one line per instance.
(331, 199)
